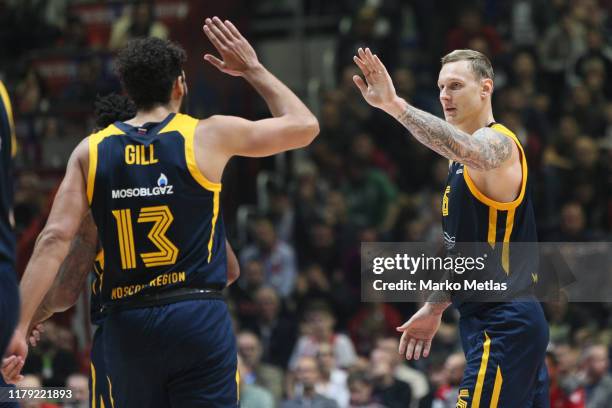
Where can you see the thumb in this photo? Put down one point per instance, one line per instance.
(360, 84)
(214, 61)
(403, 327)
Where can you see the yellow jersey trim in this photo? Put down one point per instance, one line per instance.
(186, 126)
(93, 385)
(214, 224)
(486, 348)
(9, 113)
(496, 389)
(488, 201)
(492, 233)
(110, 391)
(94, 141)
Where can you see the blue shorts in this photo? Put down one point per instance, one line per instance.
(9, 306)
(505, 346)
(9, 313)
(177, 355)
(98, 381)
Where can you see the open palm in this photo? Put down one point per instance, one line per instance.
(377, 89)
(238, 56)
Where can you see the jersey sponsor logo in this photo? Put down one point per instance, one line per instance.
(163, 188)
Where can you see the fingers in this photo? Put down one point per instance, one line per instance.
(214, 61)
(212, 35)
(360, 84)
(417, 349)
(227, 34)
(11, 369)
(362, 66)
(410, 348)
(426, 348)
(379, 65)
(233, 29)
(402, 345)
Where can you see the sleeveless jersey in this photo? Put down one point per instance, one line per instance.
(8, 149)
(158, 216)
(475, 225)
(95, 303)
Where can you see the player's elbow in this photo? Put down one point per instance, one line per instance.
(62, 299)
(51, 237)
(307, 129)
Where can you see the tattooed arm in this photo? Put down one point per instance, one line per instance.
(72, 274)
(486, 149)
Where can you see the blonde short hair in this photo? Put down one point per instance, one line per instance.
(479, 63)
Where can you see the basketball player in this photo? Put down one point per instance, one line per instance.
(153, 186)
(9, 294)
(486, 200)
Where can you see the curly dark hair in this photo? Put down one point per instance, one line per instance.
(147, 68)
(111, 108)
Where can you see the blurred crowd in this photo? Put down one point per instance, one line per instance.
(303, 335)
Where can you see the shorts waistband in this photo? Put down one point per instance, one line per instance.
(164, 298)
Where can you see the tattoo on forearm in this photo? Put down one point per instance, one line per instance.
(484, 150)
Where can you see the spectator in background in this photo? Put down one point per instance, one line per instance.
(243, 293)
(332, 383)
(470, 26)
(277, 257)
(598, 384)
(388, 390)
(136, 21)
(307, 375)
(276, 333)
(560, 395)
(253, 370)
(371, 321)
(319, 329)
(79, 384)
(598, 50)
(370, 195)
(401, 371)
(251, 395)
(360, 387)
(33, 381)
(446, 394)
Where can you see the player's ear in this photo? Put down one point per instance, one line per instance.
(486, 87)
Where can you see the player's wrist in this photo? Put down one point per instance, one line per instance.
(254, 71)
(437, 308)
(395, 107)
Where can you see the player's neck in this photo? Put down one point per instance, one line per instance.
(471, 125)
(156, 114)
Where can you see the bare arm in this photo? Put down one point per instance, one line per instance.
(486, 149)
(292, 126)
(233, 267)
(53, 244)
(72, 273)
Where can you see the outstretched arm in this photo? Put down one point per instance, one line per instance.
(292, 126)
(486, 149)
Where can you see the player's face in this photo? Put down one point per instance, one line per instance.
(461, 92)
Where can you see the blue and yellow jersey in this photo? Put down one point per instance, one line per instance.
(158, 216)
(95, 302)
(472, 220)
(8, 149)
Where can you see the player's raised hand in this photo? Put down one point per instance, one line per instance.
(377, 89)
(418, 332)
(237, 55)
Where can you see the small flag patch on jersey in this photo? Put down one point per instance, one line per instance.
(142, 131)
